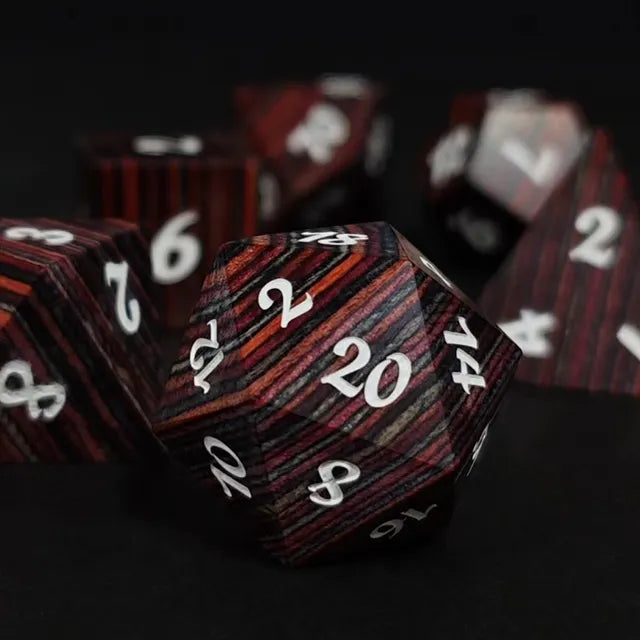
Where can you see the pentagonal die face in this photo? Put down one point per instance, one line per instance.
(79, 361)
(328, 381)
(489, 176)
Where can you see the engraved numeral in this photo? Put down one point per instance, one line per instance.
(162, 145)
(330, 484)
(371, 386)
(604, 225)
(28, 393)
(324, 129)
(51, 237)
(227, 474)
(529, 332)
(174, 253)
(285, 288)
(448, 158)
(197, 362)
(391, 528)
(331, 237)
(127, 312)
(467, 362)
(629, 338)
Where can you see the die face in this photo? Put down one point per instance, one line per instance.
(568, 294)
(340, 357)
(503, 158)
(324, 145)
(89, 344)
(189, 194)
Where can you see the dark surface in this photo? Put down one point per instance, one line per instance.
(545, 540)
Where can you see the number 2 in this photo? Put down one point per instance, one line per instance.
(285, 288)
(604, 226)
(128, 313)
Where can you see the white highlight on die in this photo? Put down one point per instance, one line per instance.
(629, 338)
(268, 196)
(197, 361)
(530, 331)
(163, 145)
(432, 267)
(341, 87)
(51, 237)
(330, 484)
(467, 362)
(175, 255)
(541, 168)
(28, 393)
(324, 129)
(483, 234)
(449, 157)
(377, 146)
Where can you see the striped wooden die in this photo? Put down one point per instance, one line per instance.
(325, 145)
(188, 193)
(505, 154)
(80, 365)
(569, 294)
(335, 386)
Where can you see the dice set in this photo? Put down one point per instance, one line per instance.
(332, 385)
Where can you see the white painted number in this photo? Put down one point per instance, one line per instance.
(344, 86)
(285, 289)
(540, 168)
(529, 332)
(127, 312)
(175, 254)
(377, 146)
(371, 385)
(162, 145)
(483, 234)
(324, 129)
(392, 528)
(449, 157)
(197, 362)
(605, 225)
(629, 338)
(28, 393)
(333, 238)
(465, 339)
(331, 484)
(227, 474)
(268, 195)
(51, 237)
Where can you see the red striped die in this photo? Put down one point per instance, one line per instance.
(189, 194)
(80, 365)
(324, 144)
(335, 386)
(569, 294)
(504, 155)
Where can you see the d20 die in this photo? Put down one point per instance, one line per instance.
(80, 366)
(569, 294)
(325, 146)
(502, 159)
(329, 381)
(189, 194)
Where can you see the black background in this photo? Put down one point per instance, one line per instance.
(544, 543)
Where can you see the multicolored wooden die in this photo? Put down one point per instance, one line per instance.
(505, 154)
(325, 146)
(569, 295)
(189, 194)
(80, 367)
(334, 384)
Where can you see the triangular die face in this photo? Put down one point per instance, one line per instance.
(370, 238)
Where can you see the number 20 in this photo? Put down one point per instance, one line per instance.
(372, 384)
